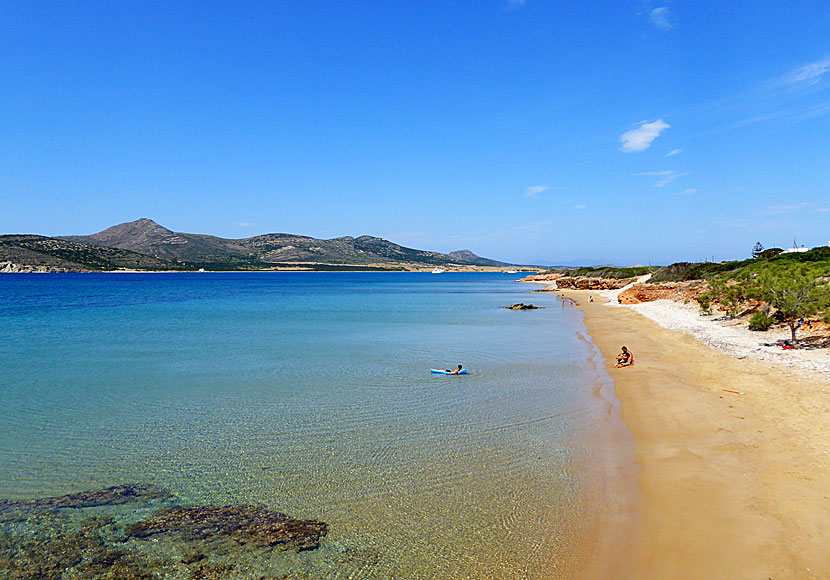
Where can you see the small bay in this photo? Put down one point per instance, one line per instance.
(310, 394)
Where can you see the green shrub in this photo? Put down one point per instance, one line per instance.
(827, 317)
(759, 321)
(705, 301)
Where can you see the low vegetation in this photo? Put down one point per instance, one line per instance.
(760, 322)
(608, 272)
(780, 288)
(772, 287)
(682, 271)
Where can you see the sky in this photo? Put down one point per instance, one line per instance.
(529, 131)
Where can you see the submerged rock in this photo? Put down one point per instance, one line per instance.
(45, 557)
(92, 498)
(242, 523)
(111, 534)
(522, 306)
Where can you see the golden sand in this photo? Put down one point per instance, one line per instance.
(731, 486)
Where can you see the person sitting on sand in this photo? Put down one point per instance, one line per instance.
(625, 358)
(455, 372)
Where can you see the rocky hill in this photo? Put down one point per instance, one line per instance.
(28, 253)
(146, 245)
(470, 258)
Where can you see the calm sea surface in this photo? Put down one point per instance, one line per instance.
(310, 393)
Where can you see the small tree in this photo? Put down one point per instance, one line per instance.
(757, 249)
(794, 291)
(728, 293)
(705, 302)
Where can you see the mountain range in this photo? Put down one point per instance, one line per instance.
(145, 245)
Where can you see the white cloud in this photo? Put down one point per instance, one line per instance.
(796, 96)
(667, 176)
(661, 18)
(813, 112)
(246, 224)
(779, 209)
(690, 191)
(640, 139)
(673, 152)
(809, 74)
(823, 209)
(534, 227)
(534, 190)
(580, 206)
(514, 4)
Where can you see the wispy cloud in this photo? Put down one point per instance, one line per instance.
(246, 224)
(514, 4)
(640, 138)
(666, 176)
(753, 225)
(690, 191)
(796, 96)
(409, 235)
(823, 209)
(534, 190)
(580, 206)
(674, 152)
(661, 18)
(779, 209)
(807, 75)
(533, 227)
(812, 112)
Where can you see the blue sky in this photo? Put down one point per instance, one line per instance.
(523, 130)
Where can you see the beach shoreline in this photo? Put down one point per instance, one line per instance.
(732, 456)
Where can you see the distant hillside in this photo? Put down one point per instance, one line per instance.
(145, 236)
(468, 257)
(40, 253)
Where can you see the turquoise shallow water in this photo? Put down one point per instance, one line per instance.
(310, 393)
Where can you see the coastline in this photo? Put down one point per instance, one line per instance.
(730, 485)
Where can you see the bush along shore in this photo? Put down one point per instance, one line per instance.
(772, 290)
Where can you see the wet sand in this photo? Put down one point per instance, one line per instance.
(731, 486)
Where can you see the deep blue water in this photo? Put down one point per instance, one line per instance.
(311, 393)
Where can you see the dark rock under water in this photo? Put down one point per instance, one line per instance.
(115, 495)
(138, 532)
(523, 306)
(242, 523)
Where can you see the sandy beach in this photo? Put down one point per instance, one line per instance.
(733, 450)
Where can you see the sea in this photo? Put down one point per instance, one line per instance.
(310, 394)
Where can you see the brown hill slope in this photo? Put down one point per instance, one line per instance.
(147, 237)
(40, 253)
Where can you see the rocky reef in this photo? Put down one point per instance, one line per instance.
(115, 495)
(140, 532)
(241, 523)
